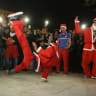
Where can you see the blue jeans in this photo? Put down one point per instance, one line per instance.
(8, 62)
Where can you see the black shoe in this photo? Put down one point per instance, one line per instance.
(66, 73)
(57, 72)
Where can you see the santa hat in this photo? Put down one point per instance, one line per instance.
(63, 25)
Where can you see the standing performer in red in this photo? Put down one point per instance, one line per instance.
(89, 50)
(45, 58)
(64, 39)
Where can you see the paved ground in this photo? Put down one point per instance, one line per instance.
(29, 84)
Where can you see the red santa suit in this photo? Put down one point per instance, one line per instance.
(63, 53)
(89, 50)
(11, 49)
(46, 58)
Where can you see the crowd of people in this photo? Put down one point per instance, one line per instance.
(36, 39)
(69, 45)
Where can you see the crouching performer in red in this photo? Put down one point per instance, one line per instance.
(46, 58)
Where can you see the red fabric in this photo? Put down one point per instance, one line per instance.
(48, 57)
(87, 35)
(20, 67)
(11, 51)
(28, 55)
(63, 53)
(63, 25)
(46, 71)
(87, 58)
(8, 41)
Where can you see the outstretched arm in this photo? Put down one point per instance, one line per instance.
(77, 26)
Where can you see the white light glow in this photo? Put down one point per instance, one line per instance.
(46, 23)
(26, 20)
(1, 19)
(83, 26)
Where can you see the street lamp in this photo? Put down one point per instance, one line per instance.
(83, 26)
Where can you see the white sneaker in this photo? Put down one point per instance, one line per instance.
(44, 80)
(93, 77)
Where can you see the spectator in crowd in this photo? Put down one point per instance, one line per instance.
(45, 35)
(75, 52)
(2, 49)
(55, 36)
(38, 36)
(25, 30)
(31, 40)
(11, 48)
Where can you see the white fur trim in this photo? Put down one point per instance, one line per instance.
(77, 21)
(92, 49)
(12, 34)
(38, 61)
(48, 46)
(15, 14)
(52, 44)
(43, 79)
(64, 27)
(56, 51)
(89, 49)
(92, 39)
(38, 49)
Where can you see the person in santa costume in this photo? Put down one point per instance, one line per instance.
(46, 58)
(11, 52)
(64, 39)
(89, 50)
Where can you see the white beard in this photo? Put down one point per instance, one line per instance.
(94, 27)
(12, 34)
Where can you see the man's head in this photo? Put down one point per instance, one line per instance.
(25, 29)
(38, 31)
(7, 30)
(63, 27)
(44, 30)
(94, 24)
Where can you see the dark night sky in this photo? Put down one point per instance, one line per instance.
(60, 11)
